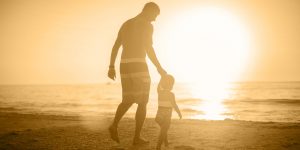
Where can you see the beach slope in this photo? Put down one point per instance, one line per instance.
(32, 131)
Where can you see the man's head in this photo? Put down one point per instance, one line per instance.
(151, 11)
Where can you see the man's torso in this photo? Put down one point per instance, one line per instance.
(135, 34)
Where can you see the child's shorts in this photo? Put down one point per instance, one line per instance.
(163, 116)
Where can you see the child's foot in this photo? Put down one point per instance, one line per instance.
(140, 141)
(113, 131)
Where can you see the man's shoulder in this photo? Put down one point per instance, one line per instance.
(135, 22)
(127, 22)
(125, 25)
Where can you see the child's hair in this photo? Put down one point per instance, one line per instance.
(166, 82)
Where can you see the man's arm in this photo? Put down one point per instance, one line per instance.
(114, 52)
(152, 56)
(151, 53)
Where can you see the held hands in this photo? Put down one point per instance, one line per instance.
(161, 71)
(111, 73)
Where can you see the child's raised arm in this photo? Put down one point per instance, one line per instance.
(175, 106)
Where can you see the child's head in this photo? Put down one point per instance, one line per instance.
(166, 82)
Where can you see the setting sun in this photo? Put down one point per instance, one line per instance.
(207, 44)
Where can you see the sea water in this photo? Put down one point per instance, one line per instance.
(254, 101)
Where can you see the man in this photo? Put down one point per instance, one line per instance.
(135, 36)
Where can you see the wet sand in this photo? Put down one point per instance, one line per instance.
(33, 131)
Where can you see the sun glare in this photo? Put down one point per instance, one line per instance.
(207, 47)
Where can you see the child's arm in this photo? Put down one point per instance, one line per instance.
(175, 106)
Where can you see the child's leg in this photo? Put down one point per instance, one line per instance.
(162, 136)
(167, 126)
(160, 139)
(166, 142)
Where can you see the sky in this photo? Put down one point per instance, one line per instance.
(69, 41)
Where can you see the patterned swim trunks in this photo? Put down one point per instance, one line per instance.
(135, 80)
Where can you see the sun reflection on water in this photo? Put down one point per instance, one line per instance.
(212, 97)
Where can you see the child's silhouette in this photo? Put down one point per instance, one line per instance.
(166, 103)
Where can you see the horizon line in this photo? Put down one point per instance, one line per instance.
(117, 82)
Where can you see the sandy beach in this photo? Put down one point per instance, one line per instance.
(32, 131)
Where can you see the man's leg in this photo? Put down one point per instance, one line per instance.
(140, 118)
(113, 129)
(121, 110)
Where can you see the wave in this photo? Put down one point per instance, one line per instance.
(188, 101)
(190, 110)
(279, 101)
(249, 100)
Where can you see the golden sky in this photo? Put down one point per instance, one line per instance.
(69, 41)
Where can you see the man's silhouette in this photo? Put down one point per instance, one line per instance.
(135, 36)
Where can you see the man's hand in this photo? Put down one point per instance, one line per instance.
(111, 73)
(161, 71)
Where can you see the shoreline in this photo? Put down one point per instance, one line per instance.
(34, 131)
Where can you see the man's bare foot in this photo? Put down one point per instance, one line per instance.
(140, 141)
(113, 131)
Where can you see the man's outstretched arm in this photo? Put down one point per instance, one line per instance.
(151, 53)
(114, 52)
(152, 56)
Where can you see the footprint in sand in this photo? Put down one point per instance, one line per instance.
(183, 147)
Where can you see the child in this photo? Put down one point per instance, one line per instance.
(166, 103)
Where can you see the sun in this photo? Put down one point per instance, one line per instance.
(207, 47)
(207, 44)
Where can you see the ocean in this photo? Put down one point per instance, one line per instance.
(251, 101)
